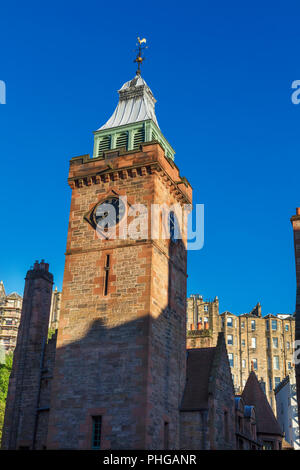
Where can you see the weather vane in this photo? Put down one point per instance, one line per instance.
(140, 58)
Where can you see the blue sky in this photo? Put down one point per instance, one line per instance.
(221, 73)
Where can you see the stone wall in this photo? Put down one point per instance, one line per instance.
(21, 415)
(120, 355)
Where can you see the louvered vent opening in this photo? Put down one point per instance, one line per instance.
(154, 136)
(122, 140)
(104, 144)
(138, 138)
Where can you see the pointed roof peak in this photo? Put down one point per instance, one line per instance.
(254, 395)
(136, 104)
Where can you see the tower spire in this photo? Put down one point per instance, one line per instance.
(140, 58)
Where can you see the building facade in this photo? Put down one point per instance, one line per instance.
(55, 309)
(287, 410)
(10, 314)
(295, 220)
(254, 342)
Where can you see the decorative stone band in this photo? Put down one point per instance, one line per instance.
(110, 171)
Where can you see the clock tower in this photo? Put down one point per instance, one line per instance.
(121, 351)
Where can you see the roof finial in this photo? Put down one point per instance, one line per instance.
(139, 58)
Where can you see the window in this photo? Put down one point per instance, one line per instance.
(270, 384)
(240, 424)
(275, 342)
(276, 362)
(96, 437)
(244, 363)
(205, 320)
(274, 325)
(268, 445)
(267, 325)
(268, 343)
(243, 324)
(276, 381)
(229, 322)
(230, 356)
(287, 345)
(106, 270)
(230, 339)
(286, 327)
(166, 435)
(253, 343)
(254, 362)
(252, 325)
(289, 365)
(226, 426)
(205, 308)
(243, 342)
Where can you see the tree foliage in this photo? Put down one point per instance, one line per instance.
(5, 370)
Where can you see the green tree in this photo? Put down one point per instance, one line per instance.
(5, 370)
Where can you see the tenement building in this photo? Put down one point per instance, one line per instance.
(287, 410)
(254, 342)
(10, 314)
(55, 309)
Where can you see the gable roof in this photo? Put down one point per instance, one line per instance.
(203, 366)
(14, 295)
(265, 418)
(199, 365)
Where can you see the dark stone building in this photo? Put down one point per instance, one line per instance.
(207, 412)
(268, 430)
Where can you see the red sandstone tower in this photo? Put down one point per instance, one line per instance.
(120, 360)
(24, 415)
(296, 228)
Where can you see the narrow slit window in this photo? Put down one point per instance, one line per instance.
(166, 435)
(106, 268)
(96, 438)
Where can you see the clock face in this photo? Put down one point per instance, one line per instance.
(109, 212)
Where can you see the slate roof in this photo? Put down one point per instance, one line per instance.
(199, 365)
(265, 418)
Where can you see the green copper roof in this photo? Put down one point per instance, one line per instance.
(132, 123)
